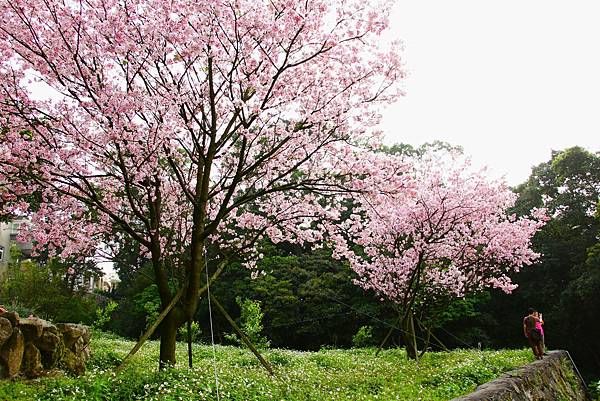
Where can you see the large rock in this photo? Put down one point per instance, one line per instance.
(31, 327)
(30, 346)
(6, 330)
(71, 332)
(49, 338)
(73, 363)
(51, 346)
(11, 354)
(31, 366)
(78, 346)
(553, 378)
(12, 316)
(87, 335)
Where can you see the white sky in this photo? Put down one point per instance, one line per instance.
(507, 80)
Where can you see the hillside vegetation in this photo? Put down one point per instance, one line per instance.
(329, 374)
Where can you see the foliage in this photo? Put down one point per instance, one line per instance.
(135, 273)
(363, 337)
(307, 297)
(148, 301)
(594, 388)
(42, 289)
(22, 310)
(355, 375)
(104, 314)
(195, 331)
(250, 323)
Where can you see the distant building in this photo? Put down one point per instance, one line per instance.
(91, 283)
(8, 237)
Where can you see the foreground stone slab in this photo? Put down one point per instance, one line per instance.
(550, 379)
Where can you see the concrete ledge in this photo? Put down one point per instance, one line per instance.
(553, 378)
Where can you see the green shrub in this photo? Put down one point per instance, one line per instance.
(250, 322)
(22, 310)
(363, 337)
(103, 314)
(41, 290)
(196, 331)
(148, 302)
(594, 388)
(75, 309)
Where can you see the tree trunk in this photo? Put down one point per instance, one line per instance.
(168, 340)
(409, 336)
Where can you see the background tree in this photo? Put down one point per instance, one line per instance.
(451, 237)
(564, 281)
(176, 123)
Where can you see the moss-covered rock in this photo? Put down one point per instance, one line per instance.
(552, 378)
(30, 346)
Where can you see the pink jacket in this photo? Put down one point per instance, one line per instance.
(538, 325)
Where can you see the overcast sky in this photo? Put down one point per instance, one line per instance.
(507, 80)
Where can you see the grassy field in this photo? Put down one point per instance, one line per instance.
(325, 375)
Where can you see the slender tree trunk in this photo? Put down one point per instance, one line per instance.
(409, 336)
(189, 343)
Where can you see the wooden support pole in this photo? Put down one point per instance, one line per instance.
(386, 338)
(439, 342)
(246, 340)
(189, 341)
(422, 326)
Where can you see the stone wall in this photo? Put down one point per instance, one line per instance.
(551, 379)
(32, 346)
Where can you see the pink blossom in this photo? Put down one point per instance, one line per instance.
(180, 122)
(449, 233)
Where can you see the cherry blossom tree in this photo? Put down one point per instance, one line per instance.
(449, 237)
(178, 123)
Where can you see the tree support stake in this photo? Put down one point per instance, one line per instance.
(246, 340)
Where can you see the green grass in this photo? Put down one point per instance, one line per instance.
(326, 375)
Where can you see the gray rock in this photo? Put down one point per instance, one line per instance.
(30, 346)
(73, 363)
(6, 330)
(87, 334)
(12, 316)
(31, 328)
(78, 346)
(51, 346)
(11, 354)
(552, 378)
(31, 366)
(71, 332)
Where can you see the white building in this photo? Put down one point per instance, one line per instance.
(8, 237)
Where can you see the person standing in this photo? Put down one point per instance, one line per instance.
(539, 326)
(533, 335)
